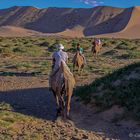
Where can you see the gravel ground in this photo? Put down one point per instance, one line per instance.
(30, 96)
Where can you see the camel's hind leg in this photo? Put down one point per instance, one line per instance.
(95, 55)
(62, 106)
(58, 108)
(82, 69)
(73, 67)
(68, 105)
(79, 68)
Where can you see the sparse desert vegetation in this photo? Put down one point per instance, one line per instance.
(111, 79)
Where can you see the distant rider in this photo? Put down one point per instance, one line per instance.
(97, 42)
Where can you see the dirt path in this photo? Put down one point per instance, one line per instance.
(30, 96)
(89, 119)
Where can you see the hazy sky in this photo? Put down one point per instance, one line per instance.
(68, 3)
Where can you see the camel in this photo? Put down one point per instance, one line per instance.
(96, 49)
(78, 61)
(62, 84)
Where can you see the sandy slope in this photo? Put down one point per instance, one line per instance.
(10, 31)
(132, 30)
(100, 21)
(67, 21)
(74, 32)
(134, 21)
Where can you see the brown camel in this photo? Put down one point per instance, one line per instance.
(96, 48)
(78, 61)
(62, 84)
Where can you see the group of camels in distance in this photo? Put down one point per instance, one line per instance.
(62, 88)
(78, 60)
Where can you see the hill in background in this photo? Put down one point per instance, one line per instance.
(78, 22)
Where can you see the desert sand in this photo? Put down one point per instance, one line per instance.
(132, 29)
(11, 31)
(102, 21)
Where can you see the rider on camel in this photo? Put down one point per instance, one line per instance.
(96, 41)
(80, 49)
(58, 56)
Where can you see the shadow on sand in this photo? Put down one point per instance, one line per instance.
(19, 74)
(37, 102)
(40, 103)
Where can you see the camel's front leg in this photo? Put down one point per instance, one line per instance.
(73, 67)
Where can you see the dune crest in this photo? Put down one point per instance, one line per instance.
(132, 29)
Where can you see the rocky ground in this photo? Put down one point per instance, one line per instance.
(27, 107)
(34, 106)
(30, 96)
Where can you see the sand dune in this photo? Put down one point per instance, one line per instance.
(100, 21)
(132, 29)
(10, 31)
(74, 32)
(134, 20)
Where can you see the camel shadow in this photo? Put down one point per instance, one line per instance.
(36, 102)
(19, 74)
(40, 103)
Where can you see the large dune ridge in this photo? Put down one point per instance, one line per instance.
(132, 29)
(101, 21)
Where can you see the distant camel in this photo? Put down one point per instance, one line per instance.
(96, 48)
(78, 61)
(62, 88)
